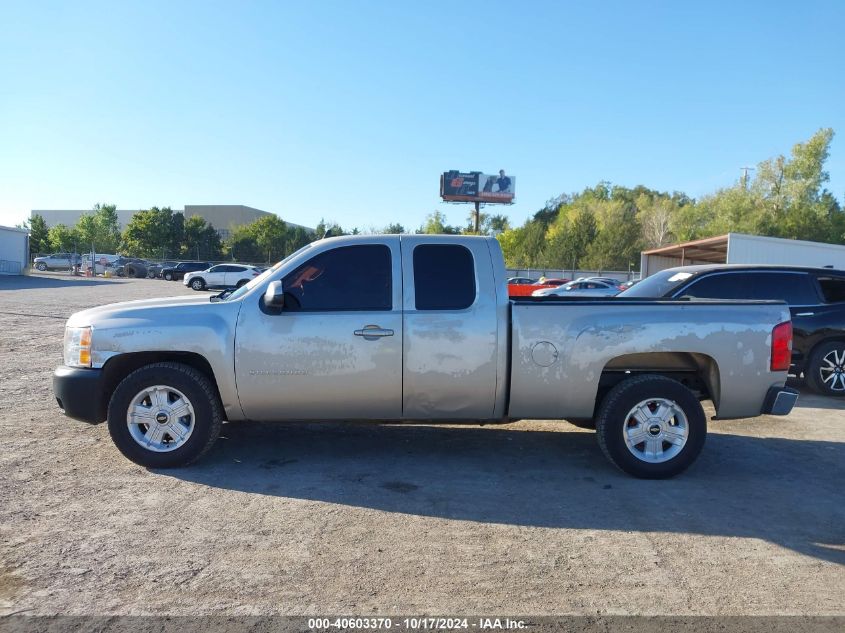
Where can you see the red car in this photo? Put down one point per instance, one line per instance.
(525, 290)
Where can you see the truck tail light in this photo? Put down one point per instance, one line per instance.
(781, 347)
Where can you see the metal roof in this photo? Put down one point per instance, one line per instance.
(710, 249)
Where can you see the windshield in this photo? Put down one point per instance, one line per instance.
(240, 292)
(658, 285)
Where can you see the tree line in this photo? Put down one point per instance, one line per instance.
(607, 226)
(161, 233)
(600, 228)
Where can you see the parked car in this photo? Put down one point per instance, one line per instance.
(529, 289)
(816, 298)
(130, 267)
(221, 276)
(520, 281)
(413, 327)
(56, 261)
(590, 287)
(154, 270)
(607, 280)
(551, 282)
(624, 286)
(178, 271)
(101, 262)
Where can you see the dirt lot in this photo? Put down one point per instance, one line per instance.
(527, 518)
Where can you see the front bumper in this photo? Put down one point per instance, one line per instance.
(79, 393)
(779, 401)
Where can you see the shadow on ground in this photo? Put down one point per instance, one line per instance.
(784, 491)
(31, 282)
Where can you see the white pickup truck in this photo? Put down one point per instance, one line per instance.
(413, 327)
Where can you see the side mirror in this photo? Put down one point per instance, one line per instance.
(274, 296)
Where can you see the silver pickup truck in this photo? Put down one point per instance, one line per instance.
(413, 327)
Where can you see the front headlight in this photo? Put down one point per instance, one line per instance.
(78, 346)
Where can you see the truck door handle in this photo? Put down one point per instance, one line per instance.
(804, 313)
(373, 332)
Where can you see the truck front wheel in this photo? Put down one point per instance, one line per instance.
(651, 427)
(164, 415)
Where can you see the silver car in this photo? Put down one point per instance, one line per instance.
(580, 288)
(56, 261)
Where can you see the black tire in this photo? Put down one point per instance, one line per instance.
(168, 276)
(196, 387)
(41, 266)
(582, 423)
(612, 424)
(198, 283)
(240, 283)
(129, 272)
(814, 375)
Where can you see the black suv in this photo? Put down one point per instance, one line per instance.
(816, 298)
(178, 271)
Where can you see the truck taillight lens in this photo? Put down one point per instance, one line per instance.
(781, 347)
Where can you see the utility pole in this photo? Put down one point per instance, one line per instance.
(477, 217)
(744, 180)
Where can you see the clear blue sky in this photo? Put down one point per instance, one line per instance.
(350, 110)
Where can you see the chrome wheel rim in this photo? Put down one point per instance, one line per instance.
(196, 284)
(832, 370)
(655, 430)
(160, 418)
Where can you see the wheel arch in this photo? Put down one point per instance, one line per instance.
(696, 371)
(119, 367)
(838, 337)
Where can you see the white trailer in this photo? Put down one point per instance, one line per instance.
(739, 248)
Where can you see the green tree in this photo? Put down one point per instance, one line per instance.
(107, 228)
(617, 240)
(296, 239)
(270, 234)
(63, 238)
(242, 247)
(200, 239)
(154, 233)
(39, 235)
(435, 223)
(488, 224)
(393, 229)
(328, 229)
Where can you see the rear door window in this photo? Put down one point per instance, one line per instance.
(833, 289)
(444, 277)
(794, 288)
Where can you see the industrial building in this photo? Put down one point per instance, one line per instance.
(224, 217)
(14, 250)
(739, 248)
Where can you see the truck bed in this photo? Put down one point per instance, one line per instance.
(563, 351)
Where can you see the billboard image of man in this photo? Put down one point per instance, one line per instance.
(503, 182)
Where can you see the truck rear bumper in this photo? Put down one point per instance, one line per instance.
(779, 401)
(79, 393)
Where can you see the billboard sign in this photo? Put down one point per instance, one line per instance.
(475, 186)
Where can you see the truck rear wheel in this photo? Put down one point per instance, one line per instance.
(164, 415)
(651, 427)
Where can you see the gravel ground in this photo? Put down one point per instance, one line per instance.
(526, 518)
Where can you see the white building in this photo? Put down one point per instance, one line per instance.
(14, 250)
(738, 248)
